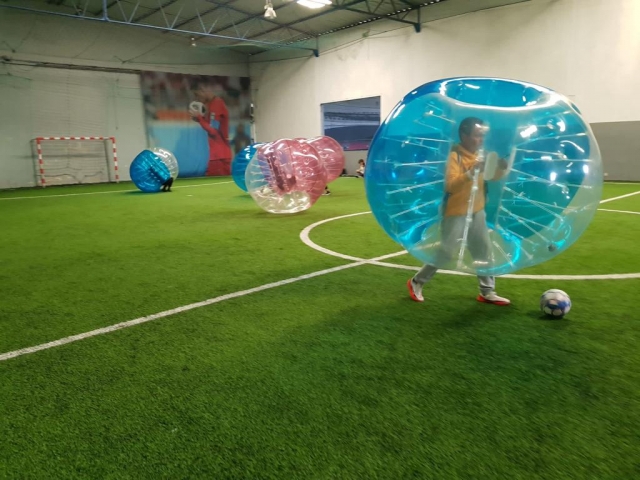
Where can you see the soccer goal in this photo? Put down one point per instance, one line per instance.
(76, 160)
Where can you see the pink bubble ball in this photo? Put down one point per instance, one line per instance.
(331, 154)
(286, 176)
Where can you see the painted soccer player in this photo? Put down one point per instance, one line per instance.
(215, 122)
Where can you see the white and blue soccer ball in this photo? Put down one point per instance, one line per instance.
(197, 108)
(555, 303)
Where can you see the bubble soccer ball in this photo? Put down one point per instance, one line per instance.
(286, 176)
(555, 303)
(240, 162)
(484, 175)
(197, 108)
(331, 154)
(152, 168)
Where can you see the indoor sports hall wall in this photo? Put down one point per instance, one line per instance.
(38, 101)
(53, 102)
(586, 49)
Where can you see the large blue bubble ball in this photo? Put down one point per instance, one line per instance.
(239, 165)
(484, 175)
(152, 168)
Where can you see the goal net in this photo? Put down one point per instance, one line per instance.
(76, 160)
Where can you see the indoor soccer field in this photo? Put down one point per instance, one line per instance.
(319, 239)
(192, 335)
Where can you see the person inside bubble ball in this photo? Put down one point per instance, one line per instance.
(162, 176)
(465, 162)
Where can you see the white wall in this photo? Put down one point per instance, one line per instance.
(37, 101)
(587, 49)
(53, 102)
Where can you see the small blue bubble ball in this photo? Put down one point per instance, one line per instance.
(239, 165)
(152, 168)
(484, 175)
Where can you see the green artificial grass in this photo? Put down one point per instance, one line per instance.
(336, 376)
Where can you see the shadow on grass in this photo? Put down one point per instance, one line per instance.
(140, 192)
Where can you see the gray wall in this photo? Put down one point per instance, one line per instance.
(351, 160)
(619, 145)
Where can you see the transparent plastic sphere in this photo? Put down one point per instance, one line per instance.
(484, 175)
(152, 168)
(331, 154)
(240, 162)
(286, 176)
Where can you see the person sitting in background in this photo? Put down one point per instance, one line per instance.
(360, 170)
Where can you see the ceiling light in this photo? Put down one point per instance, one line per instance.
(314, 3)
(269, 12)
(193, 41)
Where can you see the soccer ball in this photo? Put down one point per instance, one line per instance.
(555, 303)
(197, 108)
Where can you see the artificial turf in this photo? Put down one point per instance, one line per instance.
(336, 376)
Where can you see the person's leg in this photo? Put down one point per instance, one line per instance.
(276, 174)
(265, 169)
(479, 246)
(164, 184)
(480, 249)
(451, 230)
(487, 284)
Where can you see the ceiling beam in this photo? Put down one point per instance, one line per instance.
(328, 10)
(253, 16)
(152, 27)
(105, 6)
(200, 15)
(387, 16)
(394, 16)
(155, 10)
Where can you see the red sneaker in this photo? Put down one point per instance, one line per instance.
(415, 291)
(494, 299)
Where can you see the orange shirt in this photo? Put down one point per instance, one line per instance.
(458, 184)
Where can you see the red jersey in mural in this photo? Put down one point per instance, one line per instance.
(216, 123)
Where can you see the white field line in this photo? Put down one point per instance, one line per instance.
(607, 200)
(104, 193)
(618, 211)
(304, 236)
(185, 308)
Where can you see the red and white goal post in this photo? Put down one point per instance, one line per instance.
(76, 160)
